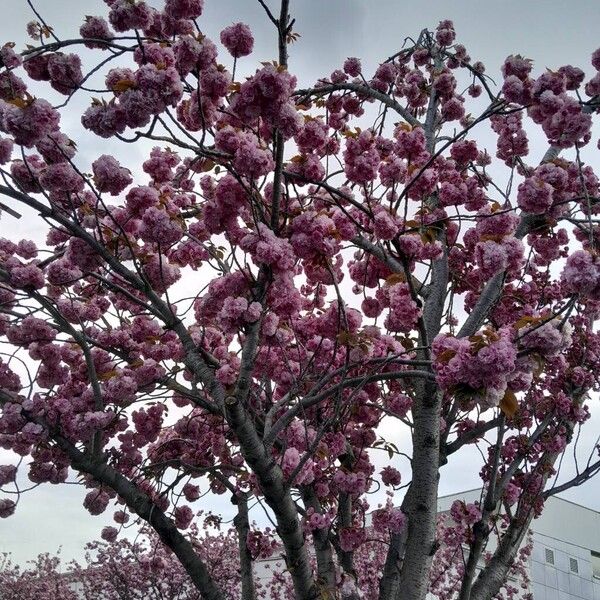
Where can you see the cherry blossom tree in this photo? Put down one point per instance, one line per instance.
(117, 568)
(146, 569)
(292, 267)
(122, 569)
(42, 580)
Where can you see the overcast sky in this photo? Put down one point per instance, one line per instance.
(551, 32)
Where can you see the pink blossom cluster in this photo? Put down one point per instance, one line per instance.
(546, 338)
(160, 165)
(512, 139)
(291, 463)
(29, 124)
(351, 538)
(261, 543)
(560, 115)
(7, 474)
(361, 158)
(238, 40)
(63, 71)
(317, 520)
(352, 483)
(403, 310)
(464, 512)
(110, 176)
(126, 15)
(483, 364)
(7, 508)
(390, 476)
(581, 274)
(388, 518)
(95, 28)
(266, 95)
(96, 501)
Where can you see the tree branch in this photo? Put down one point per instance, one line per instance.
(138, 502)
(363, 90)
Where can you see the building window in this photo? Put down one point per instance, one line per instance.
(549, 556)
(573, 565)
(596, 564)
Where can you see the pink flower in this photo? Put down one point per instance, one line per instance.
(312, 137)
(56, 147)
(238, 40)
(516, 65)
(352, 538)
(95, 28)
(6, 146)
(445, 33)
(110, 176)
(184, 9)
(37, 67)
(453, 109)
(390, 476)
(251, 160)
(399, 404)
(61, 177)
(159, 227)
(160, 273)
(128, 14)
(160, 165)
(121, 517)
(512, 494)
(291, 459)
(464, 151)
(361, 158)
(29, 124)
(96, 501)
(31, 329)
(318, 520)
(187, 51)
(574, 76)
(491, 257)
(191, 492)
(388, 518)
(404, 312)
(386, 73)
(548, 339)
(27, 276)
(371, 307)
(9, 58)
(445, 84)
(61, 272)
(159, 55)
(267, 95)
(7, 508)
(7, 474)
(352, 66)
(534, 195)
(308, 167)
(466, 513)
(109, 533)
(581, 274)
(184, 516)
(385, 226)
(64, 71)
(105, 120)
(261, 545)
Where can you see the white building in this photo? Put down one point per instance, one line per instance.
(565, 559)
(565, 562)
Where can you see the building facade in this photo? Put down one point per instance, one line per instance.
(565, 561)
